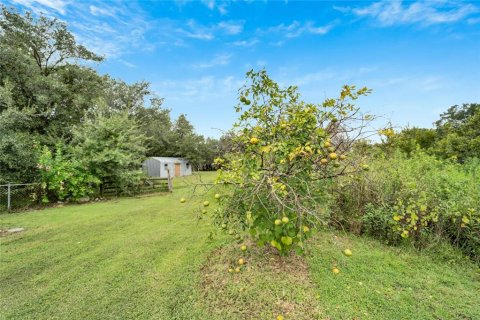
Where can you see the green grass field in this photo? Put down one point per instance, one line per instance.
(149, 258)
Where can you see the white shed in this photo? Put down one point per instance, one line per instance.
(158, 167)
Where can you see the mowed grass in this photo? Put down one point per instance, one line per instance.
(149, 258)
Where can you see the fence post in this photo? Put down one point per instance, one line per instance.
(9, 204)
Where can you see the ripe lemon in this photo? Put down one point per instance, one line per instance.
(206, 203)
(241, 261)
(243, 248)
(333, 156)
(336, 270)
(217, 196)
(183, 200)
(278, 222)
(347, 252)
(285, 220)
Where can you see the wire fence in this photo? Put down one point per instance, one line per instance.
(16, 196)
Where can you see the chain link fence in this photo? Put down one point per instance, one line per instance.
(16, 196)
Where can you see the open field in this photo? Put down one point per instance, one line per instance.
(149, 258)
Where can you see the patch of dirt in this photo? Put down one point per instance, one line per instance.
(267, 285)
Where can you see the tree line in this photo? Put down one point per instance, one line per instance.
(62, 120)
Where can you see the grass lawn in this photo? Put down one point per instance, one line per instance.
(149, 258)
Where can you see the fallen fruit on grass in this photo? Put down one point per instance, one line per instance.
(278, 222)
(204, 211)
(280, 317)
(231, 232)
(336, 270)
(241, 261)
(183, 200)
(224, 226)
(306, 229)
(206, 203)
(243, 248)
(347, 252)
(237, 269)
(217, 196)
(285, 220)
(230, 270)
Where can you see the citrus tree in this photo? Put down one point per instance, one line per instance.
(285, 154)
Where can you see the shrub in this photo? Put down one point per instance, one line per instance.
(63, 177)
(413, 199)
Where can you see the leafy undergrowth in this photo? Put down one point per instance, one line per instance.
(376, 282)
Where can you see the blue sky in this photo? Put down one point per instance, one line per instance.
(419, 57)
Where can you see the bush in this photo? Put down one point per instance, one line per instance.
(413, 199)
(65, 178)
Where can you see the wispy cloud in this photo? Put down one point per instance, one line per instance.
(208, 32)
(44, 5)
(218, 60)
(216, 5)
(296, 29)
(246, 43)
(397, 12)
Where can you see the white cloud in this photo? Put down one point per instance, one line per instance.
(396, 12)
(296, 29)
(41, 5)
(230, 27)
(218, 60)
(105, 11)
(245, 43)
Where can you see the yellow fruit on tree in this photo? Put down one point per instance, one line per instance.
(347, 252)
(327, 144)
(324, 161)
(306, 229)
(278, 222)
(343, 157)
(336, 270)
(333, 156)
(285, 220)
(254, 140)
(280, 317)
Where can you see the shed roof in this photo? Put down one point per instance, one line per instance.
(168, 159)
